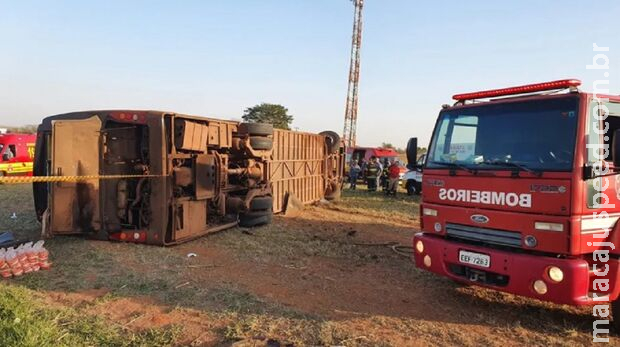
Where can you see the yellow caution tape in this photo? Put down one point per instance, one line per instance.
(52, 179)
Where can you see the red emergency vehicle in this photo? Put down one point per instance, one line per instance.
(16, 154)
(365, 153)
(518, 197)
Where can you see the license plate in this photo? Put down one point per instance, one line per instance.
(474, 258)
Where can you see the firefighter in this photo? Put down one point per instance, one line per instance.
(393, 178)
(372, 173)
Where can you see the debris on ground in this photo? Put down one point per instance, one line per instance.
(6, 238)
(26, 258)
(292, 206)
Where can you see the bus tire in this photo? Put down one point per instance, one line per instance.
(254, 219)
(256, 129)
(332, 140)
(261, 203)
(261, 143)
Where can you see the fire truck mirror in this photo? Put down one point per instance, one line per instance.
(615, 148)
(412, 151)
(5, 157)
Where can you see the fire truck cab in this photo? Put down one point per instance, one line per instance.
(522, 193)
(16, 154)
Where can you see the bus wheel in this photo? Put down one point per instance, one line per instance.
(256, 129)
(261, 143)
(253, 219)
(260, 213)
(332, 140)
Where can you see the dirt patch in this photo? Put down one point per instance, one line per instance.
(325, 277)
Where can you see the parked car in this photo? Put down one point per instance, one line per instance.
(413, 176)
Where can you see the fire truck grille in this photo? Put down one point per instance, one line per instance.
(492, 236)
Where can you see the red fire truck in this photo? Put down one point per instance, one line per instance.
(522, 194)
(16, 154)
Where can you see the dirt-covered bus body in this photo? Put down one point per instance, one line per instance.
(515, 198)
(204, 175)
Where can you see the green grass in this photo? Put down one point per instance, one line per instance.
(25, 320)
(402, 207)
(17, 199)
(223, 306)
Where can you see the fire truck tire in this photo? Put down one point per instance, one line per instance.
(2, 173)
(256, 129)
(253, 219)
(332, 140)
(261, 143)
(261, 203)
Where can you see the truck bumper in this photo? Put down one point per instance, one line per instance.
(507, 272)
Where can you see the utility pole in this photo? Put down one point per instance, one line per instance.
(350, 116)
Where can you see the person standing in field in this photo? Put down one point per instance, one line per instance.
(380, 173)
(385, 175)
(393, 178)
(354, 172)
(372, 173)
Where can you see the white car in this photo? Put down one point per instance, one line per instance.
(413, 177)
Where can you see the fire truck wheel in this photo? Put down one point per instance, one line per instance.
(2, 174)
(261, 203)
(261, 143)
(332, 140)
(256, 129)
(253, 219)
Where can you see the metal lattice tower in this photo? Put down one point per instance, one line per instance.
(350, 116)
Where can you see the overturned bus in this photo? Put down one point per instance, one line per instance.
(175, 177)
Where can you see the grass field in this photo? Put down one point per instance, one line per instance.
(309, 280)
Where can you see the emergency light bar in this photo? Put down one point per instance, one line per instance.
(528, 88)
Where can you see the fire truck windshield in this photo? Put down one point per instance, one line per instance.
(532, 135)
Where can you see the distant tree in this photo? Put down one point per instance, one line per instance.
(387, 145)
(24, 129)
(269, 113)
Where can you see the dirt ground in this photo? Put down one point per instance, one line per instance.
(308, 280)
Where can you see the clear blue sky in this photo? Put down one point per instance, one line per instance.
(216, 58)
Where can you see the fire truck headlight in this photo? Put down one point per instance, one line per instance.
(429, 212)
(530, 241)
(540, 287)
(427, 260)
(549, 226)
(419, 246)
(555, 274)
